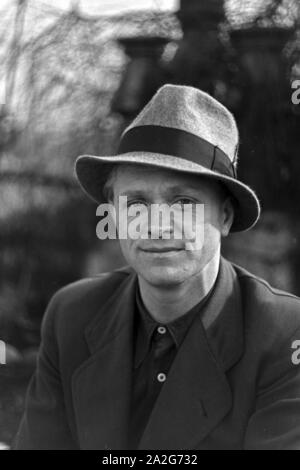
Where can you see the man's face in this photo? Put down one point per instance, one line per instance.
(162, 261)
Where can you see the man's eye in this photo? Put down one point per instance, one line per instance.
(137, 204)
(183, 200)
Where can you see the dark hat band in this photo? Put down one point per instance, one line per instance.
(179, 143)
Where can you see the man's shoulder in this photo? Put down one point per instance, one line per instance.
(84, 288)
(262, 291)
(266, 307)
(75, 304)
(260, 285)
(271, 319)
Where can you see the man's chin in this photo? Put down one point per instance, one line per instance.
(164, 276)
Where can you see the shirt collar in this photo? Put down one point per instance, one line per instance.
(145, 326)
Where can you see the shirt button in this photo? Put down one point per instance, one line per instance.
(161, 377)
(161, 330)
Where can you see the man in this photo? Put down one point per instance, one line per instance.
(181, 350)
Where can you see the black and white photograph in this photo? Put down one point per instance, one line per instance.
(149, 227)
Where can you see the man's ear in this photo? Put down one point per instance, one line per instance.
(227, 216)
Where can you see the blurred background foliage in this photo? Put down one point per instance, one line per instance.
(71, 81)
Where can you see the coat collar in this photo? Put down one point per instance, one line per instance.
(196, 395)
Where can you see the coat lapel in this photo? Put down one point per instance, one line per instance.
(102, 384)
(196, 395)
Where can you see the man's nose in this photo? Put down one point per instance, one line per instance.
(161, 231)
(160, 226)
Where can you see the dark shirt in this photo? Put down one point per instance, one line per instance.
(156, 345)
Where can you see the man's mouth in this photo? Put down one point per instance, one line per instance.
(161, 249)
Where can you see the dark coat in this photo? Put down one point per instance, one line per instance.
(233, 386)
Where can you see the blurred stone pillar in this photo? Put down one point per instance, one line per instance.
(143, 75)
(266, 122)
(268, 162)
(199, 56)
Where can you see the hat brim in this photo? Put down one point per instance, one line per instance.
(92, 172)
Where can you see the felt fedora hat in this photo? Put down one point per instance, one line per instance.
(181, 129)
